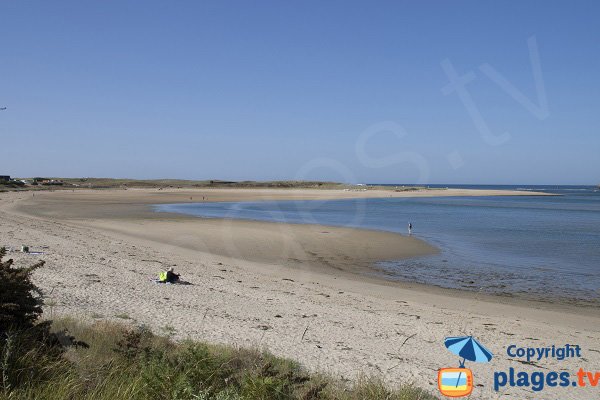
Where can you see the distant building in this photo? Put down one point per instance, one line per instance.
(47, 182)
(4, 178)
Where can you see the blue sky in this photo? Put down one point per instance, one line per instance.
(288, 90)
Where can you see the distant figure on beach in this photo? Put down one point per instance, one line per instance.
(168, 276)
(410, 228)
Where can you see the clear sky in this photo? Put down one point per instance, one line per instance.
(330, 90)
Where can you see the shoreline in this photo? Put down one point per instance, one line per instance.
(353, 324)
(379, 274)
(130, 206)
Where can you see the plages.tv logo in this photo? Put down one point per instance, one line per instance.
(458, 382)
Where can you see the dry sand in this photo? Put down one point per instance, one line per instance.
(291, 289)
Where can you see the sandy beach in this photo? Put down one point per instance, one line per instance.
(299, 291)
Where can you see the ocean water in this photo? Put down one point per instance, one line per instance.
(536, 247)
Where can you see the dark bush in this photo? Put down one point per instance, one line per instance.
(20, 300)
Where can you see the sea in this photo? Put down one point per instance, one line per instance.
(537, 247)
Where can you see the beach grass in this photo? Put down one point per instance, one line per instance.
(121, 362)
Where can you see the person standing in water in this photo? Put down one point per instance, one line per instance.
(410, 228)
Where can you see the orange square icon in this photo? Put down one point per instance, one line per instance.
(455, 382)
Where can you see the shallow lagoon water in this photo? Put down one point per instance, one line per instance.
(538, 247)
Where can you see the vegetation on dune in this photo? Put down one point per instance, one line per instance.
(11, 185)
(125, 363)
(115, 361)
(181, 183)
(113, 183)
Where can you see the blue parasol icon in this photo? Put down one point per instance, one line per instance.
(469, 349)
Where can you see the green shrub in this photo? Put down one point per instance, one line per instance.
(20, 300)
(28, 351)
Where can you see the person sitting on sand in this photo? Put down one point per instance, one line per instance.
(168, 276)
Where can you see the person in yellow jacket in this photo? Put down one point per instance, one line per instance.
(168, 276)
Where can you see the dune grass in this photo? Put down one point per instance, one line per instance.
(120, 183)
(107, 183)
(125, 363)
